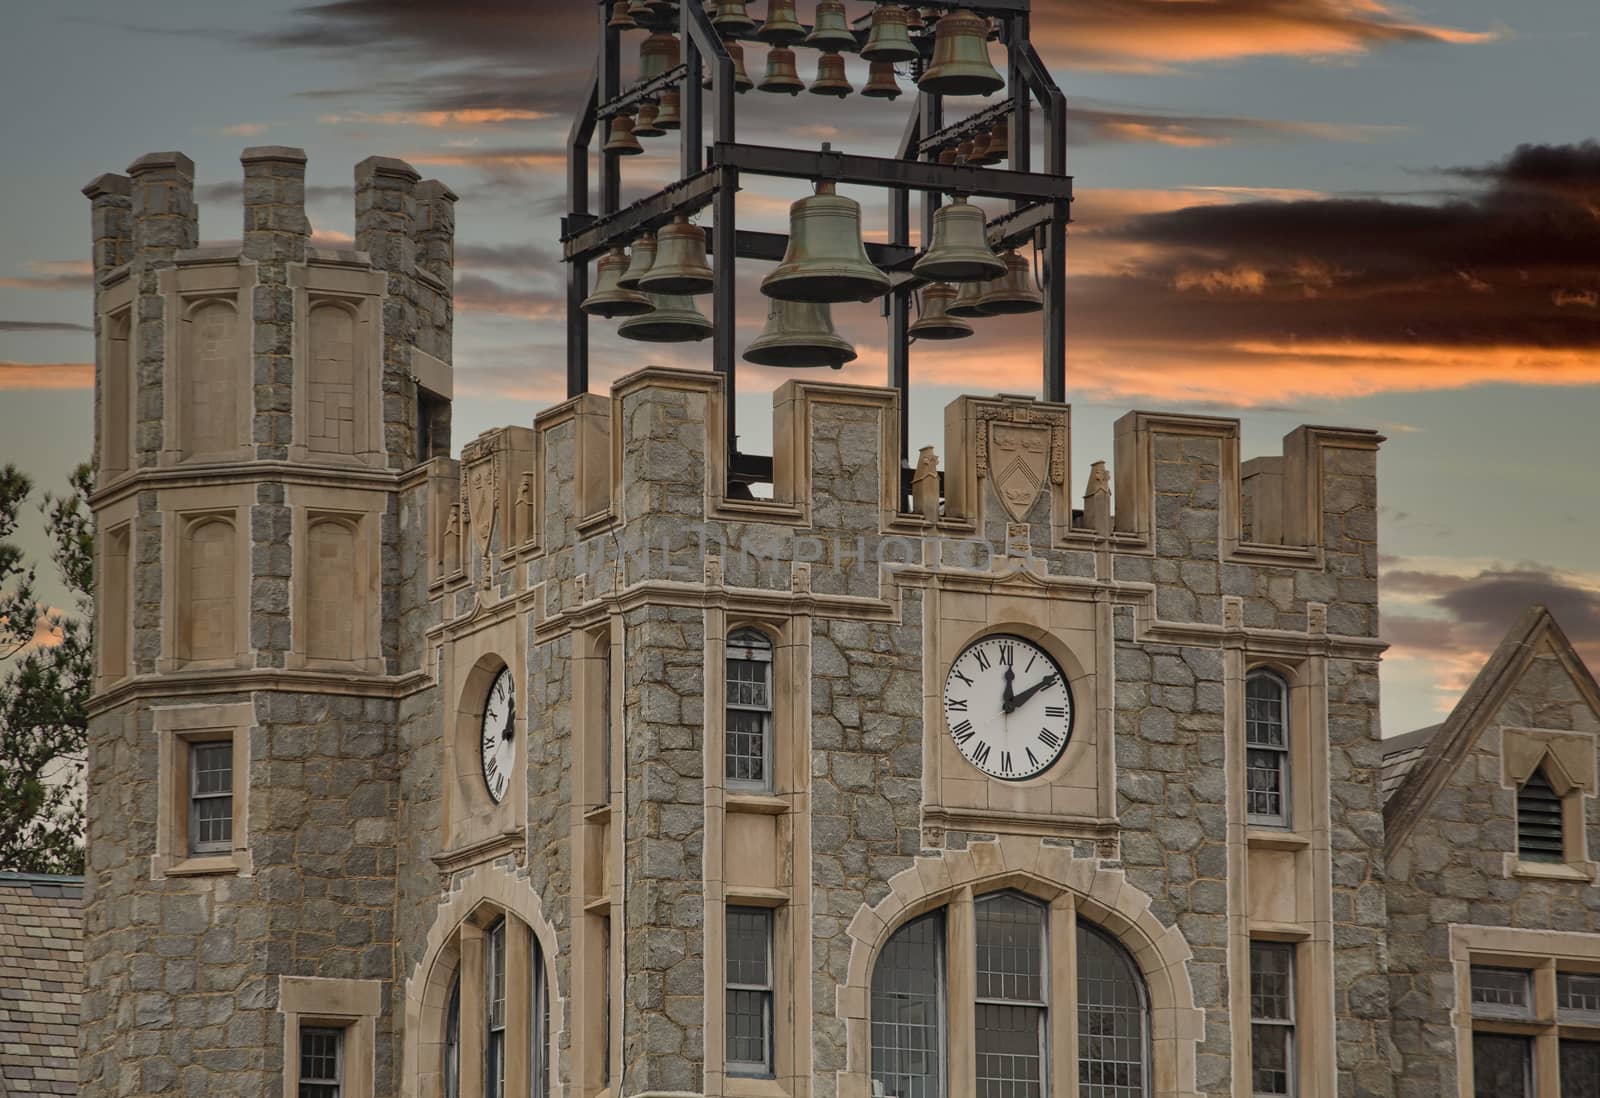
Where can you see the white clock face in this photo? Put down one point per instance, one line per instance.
(499, 736)
(1008, 707)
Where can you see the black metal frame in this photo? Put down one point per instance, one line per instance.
(1040, 200)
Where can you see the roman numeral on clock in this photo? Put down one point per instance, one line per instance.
(983, 661)
(956, 705)
(1055, 711)
(963, 732)
(1049, 738)
(1005, 762)
(1008, 654)
(980, 754)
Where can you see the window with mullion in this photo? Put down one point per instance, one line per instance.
(452, 1042)
(321, 1062)
(1112, 1007)
(211, 797)
(748, 732)
(1266, 727)
(1272, 1019)
(494, 1068)
(1580, 1069)
(748, 1016)
(1502, 1066)
(1011, 1008)
(908, 1024)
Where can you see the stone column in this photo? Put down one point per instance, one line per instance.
(275, 236)
(386, 229)
(165, 221)
(111, 204)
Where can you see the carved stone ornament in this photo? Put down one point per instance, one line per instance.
(482, 501)
(1021, 450)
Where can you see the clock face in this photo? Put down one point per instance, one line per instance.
(498, 745)
(1008, 707)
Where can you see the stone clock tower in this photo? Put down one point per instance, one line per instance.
(563, 770)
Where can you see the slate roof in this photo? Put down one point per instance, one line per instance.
(41, 955)
(1400, 754)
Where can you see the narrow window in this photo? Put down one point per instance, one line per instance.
(1272, 1031)
(1502, 1066)
(749, 991)
(1266, 728)
(1580, 1069)
(1539, 837)
(539, 1071)
(494, 1067)
(605, 975)
(1578, 997)
(908, 1011)
(604, 701)
(321, 1062)
(452, 1042)
(749, 714)
(1112, 1053)
(1011, 1003)
(211, 797)
(1501, 993)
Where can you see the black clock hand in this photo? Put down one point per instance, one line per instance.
(1016, 702)
(510, 730)
(1007, 701)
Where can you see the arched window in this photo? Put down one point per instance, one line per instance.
(497, 1023)
(206, 610)
(210, 425)
(1266, 736)
(1007, 1021)
(452, 1042)
(748, 732)
(1539, 832)
(330, 407)
(331, 589)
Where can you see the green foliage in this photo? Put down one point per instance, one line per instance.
(48, 658)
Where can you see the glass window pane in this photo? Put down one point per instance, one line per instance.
(747, 746)
(1009, 1041)
(1500, 993)
(748, 934)
(1270, 1069)
(1272, 981)
(747, 684)
(1578, 996)
(214, 820)
(319, 1062)
(1265, 720)
(1111, 1020)
(907, 999)
(747, 1028)
(452, 1042)
(1580, 1069)
(211, 768)
(1010, 934)
(749, 990)
(1264, 781)
(1502, 1067)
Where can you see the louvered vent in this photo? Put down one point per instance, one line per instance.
(1539, 821)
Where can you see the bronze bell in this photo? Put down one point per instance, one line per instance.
(979, 151)
(800, 333)
(960, 251)
(672, 319)
(997, 146)
(731, 17)
(830, 77)
(621, 141)
(881, 82)
(969, 302)
(641, 14)
(890, 39)
(741, 79)
(664, 12)
(646, 124)
(781, 28)
(609, 299)
(914, 20)
(935, 321)
(825, 260)
(642, 259)
(781, 76)
(1013, 293)
(669, 116)
(947, 155)
(961, 58)
(658, 53)
(620, 18)
(831, 30)
(680, 266)
(964, 151)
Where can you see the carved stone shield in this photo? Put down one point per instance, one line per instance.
(1019, 460)
(482, 499)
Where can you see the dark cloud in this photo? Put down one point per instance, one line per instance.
(1470, 615)
(476, 294)
(521, 258)
(1095, 124)
(42, 326)
(232, 193)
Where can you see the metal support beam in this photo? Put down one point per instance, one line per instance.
(725, 303)
(648, 213)
(877, 171)
(610, 169)
(638, 93)
(578, 140)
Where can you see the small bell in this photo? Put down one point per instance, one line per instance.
(665, 13)
(609, 299)
(979, 152)
(947, 155)
(642, 259)
(646, 125)
(969, 302)
(620, 19)
(781, 28)
(830, 77)
(641, 13)
(741, 79)
(964, 152)
(658, 53)
(961, 63)
(680, 266)
(672, 319)
(1013, 293)
(800, 333)
(781, 78)
(960, 251)
(935, 321)
(832, 28)
(669, 117)
(621, 140)
(998, 146)
(890, 39)
(881, 82)
(731, 17)
(825, 260)
(914, 20)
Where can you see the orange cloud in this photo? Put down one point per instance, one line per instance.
(436, 120)
(46, 375)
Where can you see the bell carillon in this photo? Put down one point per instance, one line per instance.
(965, 224)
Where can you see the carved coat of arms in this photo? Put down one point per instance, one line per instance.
(1019, 464)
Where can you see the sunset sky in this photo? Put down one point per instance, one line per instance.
(1329, 211)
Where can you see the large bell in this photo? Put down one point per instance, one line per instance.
(890, 39)
(969, 302)
(826, 260)
(934, 320)
(781, 76)
(648, 123)
(669, 116)
(609, 299)
(831, 30)
(881, 83)
(960, 251)
(680, 266)
(672, 319)
(620, 19)
(621, 140)
(800, 333)
(741, 78)
(731, 18)
(961, 58)
(781, 28)
(640, 262)
(1013, 293)
(658, 53)
(830, 79)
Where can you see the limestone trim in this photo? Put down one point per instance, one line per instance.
(454, 941)
(1051, 874)
(469, 815)
(199, 281)
(118, 386)
(1568, 761)
(203, 683)
(350, 1006)
(184, 476)
(176, 728)
(183, 512)
(1544, 953)
(360, 294)
(116, 554)
(359, 513)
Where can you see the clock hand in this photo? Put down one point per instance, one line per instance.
(1016, 702)
(510, 730)
(1006, 699)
